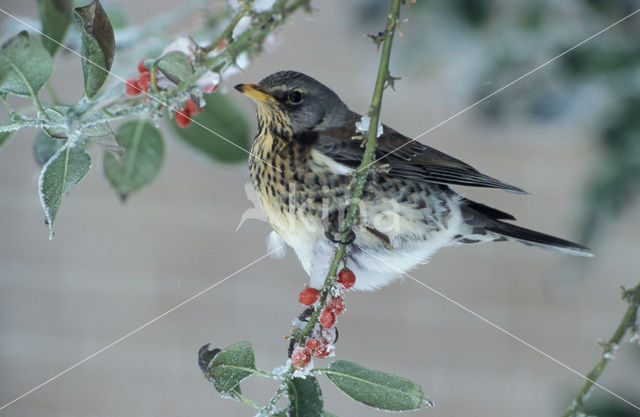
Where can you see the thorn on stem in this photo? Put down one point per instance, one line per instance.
(377, 39)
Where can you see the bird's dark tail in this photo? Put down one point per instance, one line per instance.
(531, 237)
(491, 220)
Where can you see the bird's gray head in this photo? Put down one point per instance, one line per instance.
(307, 104)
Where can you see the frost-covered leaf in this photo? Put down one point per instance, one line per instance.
(57, 115)
(328, 414)
(142, 159)
(230, 366)
(24, 65)
(175, 65)
(98, 45)
(376, 388)
(305, 397)
(221, 116)
(44, 147)
(55, 16)
(205, 355)
(103, 136)
(60, 174)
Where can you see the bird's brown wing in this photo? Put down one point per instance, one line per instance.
(406, 158)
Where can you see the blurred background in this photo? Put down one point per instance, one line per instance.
(568, 133)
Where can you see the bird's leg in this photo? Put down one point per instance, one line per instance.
(332, 230)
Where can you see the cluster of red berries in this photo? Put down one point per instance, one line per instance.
(140, 84)
(183, 116)
(321, 347)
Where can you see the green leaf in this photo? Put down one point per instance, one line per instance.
(98, 45)
(24, 65)
(106, 140)
(221, 116)
(4, 136)
(60, 174)
(143, 155)
(55, 16)
(56, 114)
(305, 397)
(175, 65)
(230, 366)
(44, 147)
(376, 388)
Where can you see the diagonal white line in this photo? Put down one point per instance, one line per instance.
(131, 333)
(489, 322)
(504, 87)
(144, 92)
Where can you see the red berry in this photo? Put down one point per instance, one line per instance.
(327, 318)
(317, 347)
(133, 88)
(141, 67)
(337, 305)
(346, 277)
(308, 296)
(145, 81)
(300, 358)
(183, 118)
(191, 106)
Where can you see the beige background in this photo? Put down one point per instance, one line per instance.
(113, 267)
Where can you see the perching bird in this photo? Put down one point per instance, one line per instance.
(302, 165)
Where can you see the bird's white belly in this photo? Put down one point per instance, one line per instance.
(374, 264)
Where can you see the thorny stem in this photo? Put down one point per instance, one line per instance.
(362, 172)
(629, 321)
(226, 33)
(268, 21)
(360, 182)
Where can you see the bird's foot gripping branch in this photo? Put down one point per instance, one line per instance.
(314, 334)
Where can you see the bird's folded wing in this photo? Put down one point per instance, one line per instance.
(406, 158)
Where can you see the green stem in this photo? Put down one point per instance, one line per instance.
(628, 322)
(365, 166)
(226, 33)
(52, 92)
(360, 182)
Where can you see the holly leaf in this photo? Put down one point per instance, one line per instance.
(60, 174)
(55, 16)
(376, 388)
(222, 117)
(24, 65)
(44, 147)
(175, 65)
(230, 366)
(305, 397)
(142, 159)
(98, 45)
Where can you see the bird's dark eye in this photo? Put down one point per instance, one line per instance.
(294, 97)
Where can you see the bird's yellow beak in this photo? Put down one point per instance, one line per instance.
(254, 91)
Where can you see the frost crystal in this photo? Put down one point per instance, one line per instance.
(183, 45)
(243, 24)
(262, 5)
(304, 372)
(208, 82)
(363, 126)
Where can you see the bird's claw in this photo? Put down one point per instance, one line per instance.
(348, 241)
